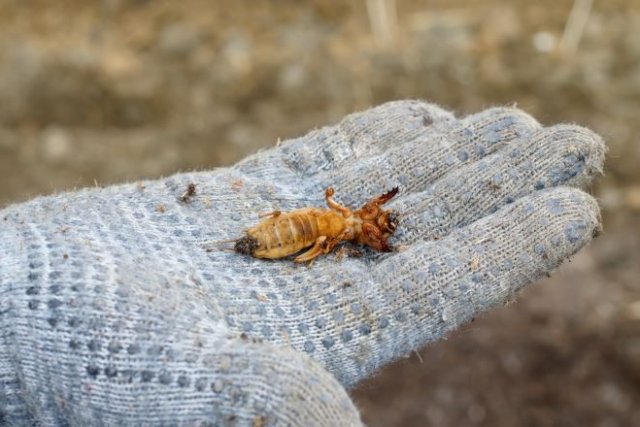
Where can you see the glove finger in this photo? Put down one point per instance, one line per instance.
(562, 155)
(416, 164)
(417, 296)
(357, 136)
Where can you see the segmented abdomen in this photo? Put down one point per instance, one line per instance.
(286, 233)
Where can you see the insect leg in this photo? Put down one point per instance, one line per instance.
(375, 238)
(316, 250)
(329, 245)
(272, 214)
(346, 212)
(348, 252)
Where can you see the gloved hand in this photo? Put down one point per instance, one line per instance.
(116, 309)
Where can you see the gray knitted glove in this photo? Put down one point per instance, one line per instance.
(115, 309)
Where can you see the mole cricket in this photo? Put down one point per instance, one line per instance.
(281, 234)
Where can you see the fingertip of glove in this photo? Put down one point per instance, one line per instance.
(431, 113)
(583, 141)
(403, 110)
(575, 211)
(505, 117)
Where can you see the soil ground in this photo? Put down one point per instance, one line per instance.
(118, 90)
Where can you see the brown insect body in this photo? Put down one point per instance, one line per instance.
(283, 234)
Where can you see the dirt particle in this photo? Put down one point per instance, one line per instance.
(258, 421)
(347, 252)
(237, 185)
(246, 245)
(262, 298)
(189, 193)
(594, 234)
(161, 208)
(400, 247)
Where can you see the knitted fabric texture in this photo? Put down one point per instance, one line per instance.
(117, 309)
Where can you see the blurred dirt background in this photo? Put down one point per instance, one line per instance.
(93, 93)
